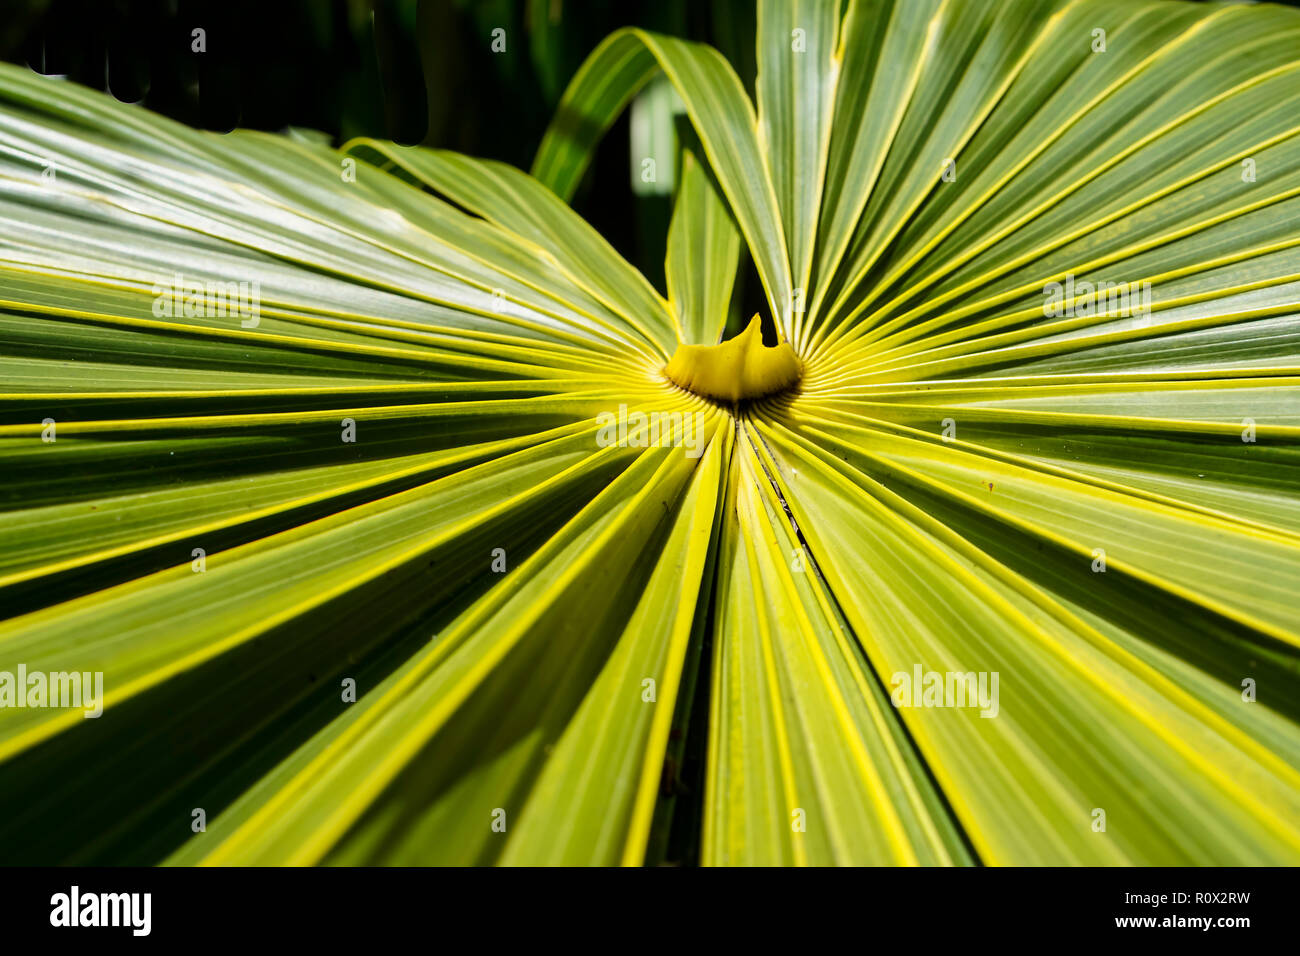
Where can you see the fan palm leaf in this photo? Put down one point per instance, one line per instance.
(395, 472)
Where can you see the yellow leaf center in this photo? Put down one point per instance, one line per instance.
(737, 369)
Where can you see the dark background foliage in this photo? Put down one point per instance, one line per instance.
(414, 71)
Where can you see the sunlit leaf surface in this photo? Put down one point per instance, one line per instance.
(388, 463)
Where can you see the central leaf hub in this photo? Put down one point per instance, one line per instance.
(737, 369)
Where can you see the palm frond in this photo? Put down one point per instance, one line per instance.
(387, 462)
